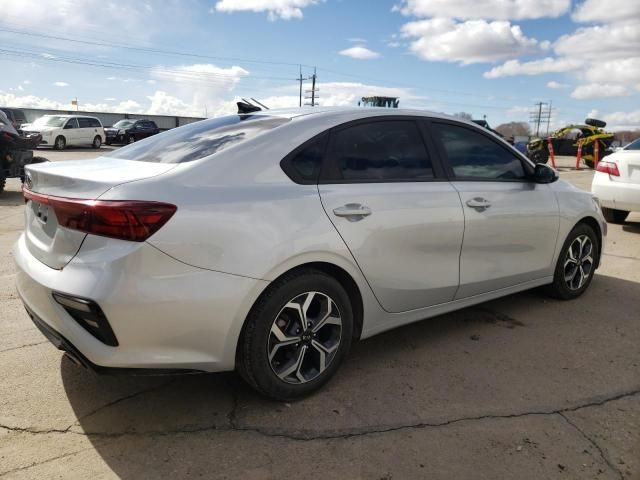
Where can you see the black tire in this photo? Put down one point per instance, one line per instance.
(97, 142)
(253, 362)
(540, 156)
(561, 288)
(611, 215)
(3, 182)
(107, 142)
(131, 139)
(59, 143)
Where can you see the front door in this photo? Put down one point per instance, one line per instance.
(72, 132)
(400, 218)
(511, 222)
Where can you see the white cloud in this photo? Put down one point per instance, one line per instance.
(606, 11)
(487, 9)
(164, 104)
(204, 85)
(359, 52)
(625, 71)
(621, 120)
(535, 67)
(473, 41)
(285, 9)
(618, 40)
(109, 99)
(26, 82)
(598, 90)
(60, 84)
(556, 85)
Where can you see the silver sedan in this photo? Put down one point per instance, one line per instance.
(269, 242)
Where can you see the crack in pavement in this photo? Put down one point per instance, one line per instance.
(48, 460)
(303, 436)
(604, 457)
(24, 346)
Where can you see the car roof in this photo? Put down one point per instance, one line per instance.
(339, 113)
(66, 115)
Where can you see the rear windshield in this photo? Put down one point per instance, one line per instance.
(198, 140)
(635, 145)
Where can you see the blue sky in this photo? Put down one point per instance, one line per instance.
(493, 58)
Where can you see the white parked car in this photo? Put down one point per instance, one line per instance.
(616, 183)
(61, 131)
(268, 242)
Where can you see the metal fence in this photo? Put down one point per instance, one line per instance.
(164, 122)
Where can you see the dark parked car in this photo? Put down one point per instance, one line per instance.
(15, 116)
(129, 131)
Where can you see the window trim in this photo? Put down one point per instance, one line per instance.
(330, 161)
(527, 166)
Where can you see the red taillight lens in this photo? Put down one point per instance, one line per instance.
(608, 167)
(133, 220)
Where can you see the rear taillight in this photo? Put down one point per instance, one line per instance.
(133, 220)
(608, 167)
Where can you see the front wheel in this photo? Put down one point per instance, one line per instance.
(3, 182)
(131, 139)
(296, 336)
(611, 215)
(97, 142)
(60, 143)
(576, 263)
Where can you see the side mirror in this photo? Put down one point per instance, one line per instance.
(543, 173)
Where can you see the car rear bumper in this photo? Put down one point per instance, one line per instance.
(618, 195)
(165, 315)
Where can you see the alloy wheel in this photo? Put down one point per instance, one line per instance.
(304, 337)
(578, 262)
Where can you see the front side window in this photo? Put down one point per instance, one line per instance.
(199, 139)
(635, 145)
(379, 151)
(473, 155)
(72, 123)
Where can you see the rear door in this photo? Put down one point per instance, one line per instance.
(401, 219)
(86, 131)
(511, 222)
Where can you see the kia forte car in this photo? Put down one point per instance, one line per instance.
(269, 242)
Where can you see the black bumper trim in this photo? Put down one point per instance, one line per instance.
(77, 357)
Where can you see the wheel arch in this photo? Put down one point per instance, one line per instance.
(595, 225)
(345, 279)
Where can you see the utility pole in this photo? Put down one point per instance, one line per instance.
(313, 90)
(300, 80)
(540, 114)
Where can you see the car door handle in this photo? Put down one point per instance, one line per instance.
(352, 212)
(479, 204)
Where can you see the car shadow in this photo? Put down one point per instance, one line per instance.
(631, 227)
(520, 353)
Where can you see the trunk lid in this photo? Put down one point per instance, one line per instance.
(628, 165)
(50, 243)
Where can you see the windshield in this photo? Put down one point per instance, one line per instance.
(635, 145)
(198, 140)
(49, 121)
(123, 124)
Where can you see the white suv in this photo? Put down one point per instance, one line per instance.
(60, 131)
(617, 183)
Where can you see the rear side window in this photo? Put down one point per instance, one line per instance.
(84, 122)
(94, 122)
(473, 155)
(199, 139)
(304, 164)
(390, 150)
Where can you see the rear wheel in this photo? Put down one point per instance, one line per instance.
(576, 264)
(296, 335)
(60, 143)
(97, 142)
(612, 215)
(3, 181)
